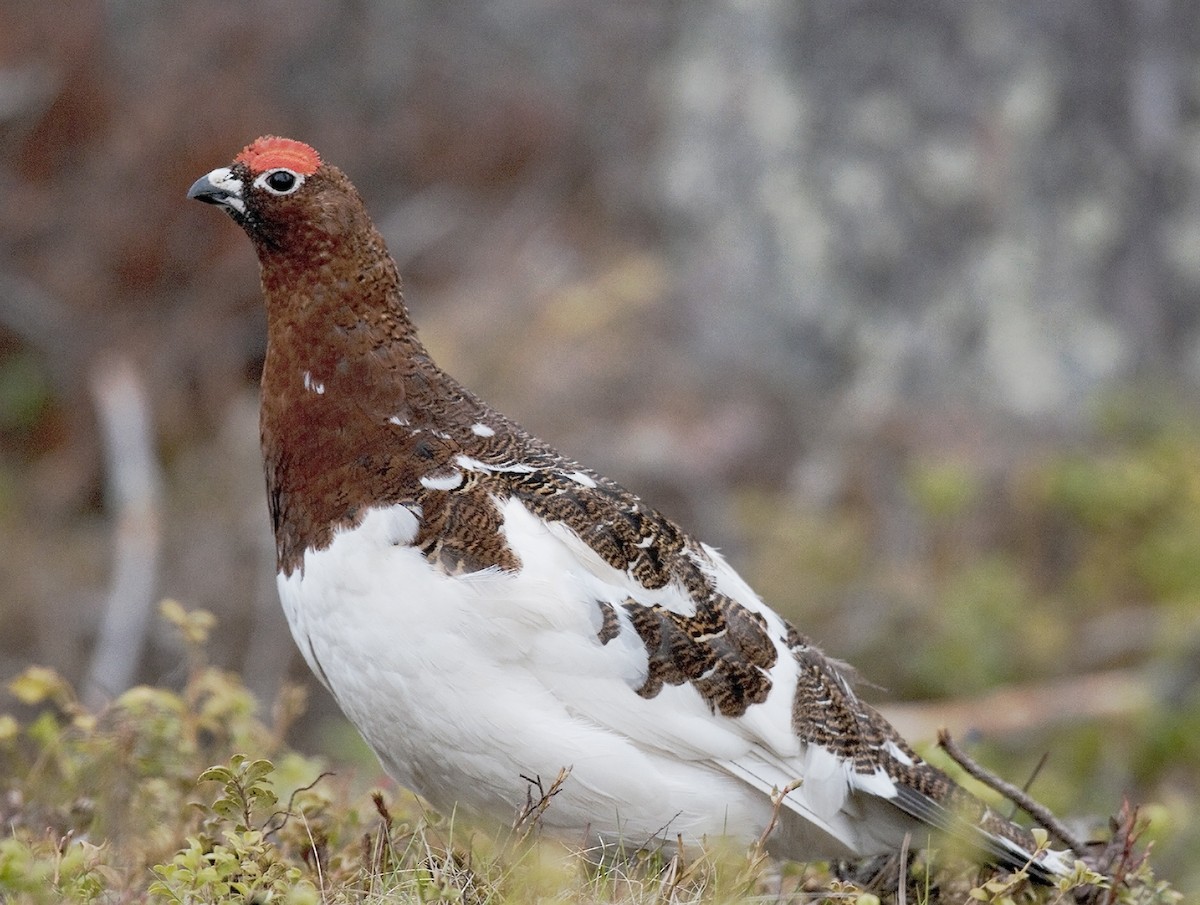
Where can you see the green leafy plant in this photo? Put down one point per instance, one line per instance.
(235, 860)
(188, 796)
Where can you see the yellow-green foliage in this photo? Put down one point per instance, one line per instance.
(190, 797)
(154, 800)
(1134, 512)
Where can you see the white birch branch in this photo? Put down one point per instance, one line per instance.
(133, 486)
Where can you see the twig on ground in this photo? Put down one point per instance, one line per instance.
(777, 799)
(318, 856)
(531, 812)
(383, 849)
(1120, 859)
(1033, 775)
(1023, 800)
(270, 828)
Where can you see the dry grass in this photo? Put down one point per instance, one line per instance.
(146, 800)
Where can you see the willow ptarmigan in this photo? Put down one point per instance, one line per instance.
(486, 610)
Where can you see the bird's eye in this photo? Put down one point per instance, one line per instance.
(280, 182)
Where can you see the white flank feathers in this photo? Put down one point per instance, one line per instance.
(462, 684)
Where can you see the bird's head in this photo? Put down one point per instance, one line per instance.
(279, 191)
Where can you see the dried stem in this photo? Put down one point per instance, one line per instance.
(530, 814)
(1017, 796)
(777, 798)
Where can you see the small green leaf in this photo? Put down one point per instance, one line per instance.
(37, 684)
(216, 774)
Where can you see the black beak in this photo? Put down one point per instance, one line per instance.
(203, 190)
(219, 187)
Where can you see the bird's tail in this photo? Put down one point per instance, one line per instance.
(960, 815)
(833, 810)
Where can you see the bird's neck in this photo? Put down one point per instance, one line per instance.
(343, 370)
(339, 340)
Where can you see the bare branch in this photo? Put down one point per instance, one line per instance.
(134, 490)
(1017, 796)
(270, 828)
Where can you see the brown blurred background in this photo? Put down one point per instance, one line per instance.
(830, 282)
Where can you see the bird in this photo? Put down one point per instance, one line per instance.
(490, 613)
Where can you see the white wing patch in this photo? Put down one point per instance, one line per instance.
(442, 482)
(492, 468)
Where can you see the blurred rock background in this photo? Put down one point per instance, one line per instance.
(894, 303)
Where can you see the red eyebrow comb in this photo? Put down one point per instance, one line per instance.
(270, 152)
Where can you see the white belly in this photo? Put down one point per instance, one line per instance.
(463, 685)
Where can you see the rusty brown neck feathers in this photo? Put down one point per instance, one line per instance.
(344, 373)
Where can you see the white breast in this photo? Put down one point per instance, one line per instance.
(464, 684)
